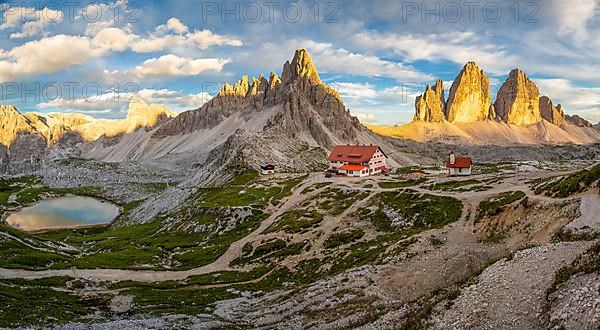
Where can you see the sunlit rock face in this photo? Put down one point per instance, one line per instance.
(430, 106)
(551, 113)
(469, 99)
(518, 100)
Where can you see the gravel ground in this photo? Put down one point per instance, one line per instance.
(511, 293)
(589, 221)
(576, 305)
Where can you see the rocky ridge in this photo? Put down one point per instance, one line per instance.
(431, 105)
(551, 113)
(310, 110)
(29, 138)
(518, 102)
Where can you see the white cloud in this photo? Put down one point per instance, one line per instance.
(103, 103)
(160, 40)
(167, 66)
(114, 39)
(203, 39)
(174, 98)
(175, 25)
(172, 65)
(353, 90)
(329, 59)
(386, 106)
(30, 21)
(573, 17)
(47, 55)
(116, 103)
(457, 47)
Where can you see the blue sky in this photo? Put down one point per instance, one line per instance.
(92, 57)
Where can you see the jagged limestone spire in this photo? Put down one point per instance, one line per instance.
(301, 67)
(470, 97)
(429, 107)
(518, 100)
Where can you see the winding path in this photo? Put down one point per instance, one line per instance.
(235, 250)
(221, 264)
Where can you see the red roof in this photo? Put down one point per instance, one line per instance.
(353, 154)
(349, 167)
(460, 163)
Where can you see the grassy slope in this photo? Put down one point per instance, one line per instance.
(569, 185)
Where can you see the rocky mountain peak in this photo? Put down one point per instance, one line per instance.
(240, 88)
(430, 106)
(8, 109)
(517, 102)
(470, 97)
(139, 108)
(274, 81)
(551, 113)
(259, 86)
(301, 67)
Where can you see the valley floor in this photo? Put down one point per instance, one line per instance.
(411, 250)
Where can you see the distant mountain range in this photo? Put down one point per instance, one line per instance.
(289, 121)
(519, 115)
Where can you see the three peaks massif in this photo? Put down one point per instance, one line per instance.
(519, 115)
(289, 121)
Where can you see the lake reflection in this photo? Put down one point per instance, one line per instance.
(64, 212)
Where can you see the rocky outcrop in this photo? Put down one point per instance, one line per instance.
(430, 106)
(310, 110)
(27, 138)
(469, 99)
(551, 113)
(517, 102)
(12, 124)
(141, 114)
(301, 67)
(578, 121)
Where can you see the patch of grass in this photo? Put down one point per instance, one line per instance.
(176, 301)
(269, 252)
(238, 195)
(244, 178)
(141, 246)
(335, 201)
(422, 211)
(569, 185)
(494, 168)
(20, 252)
(315, 187)
(343, 238)
(34, 303)
(288, 186)
(435, 242)
(296, 221)
(12, 186)
(453, 185)
(401, 184)
(414, 169)
(157, 187)
(494, 205)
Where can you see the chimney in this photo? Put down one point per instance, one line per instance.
(452, 158)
